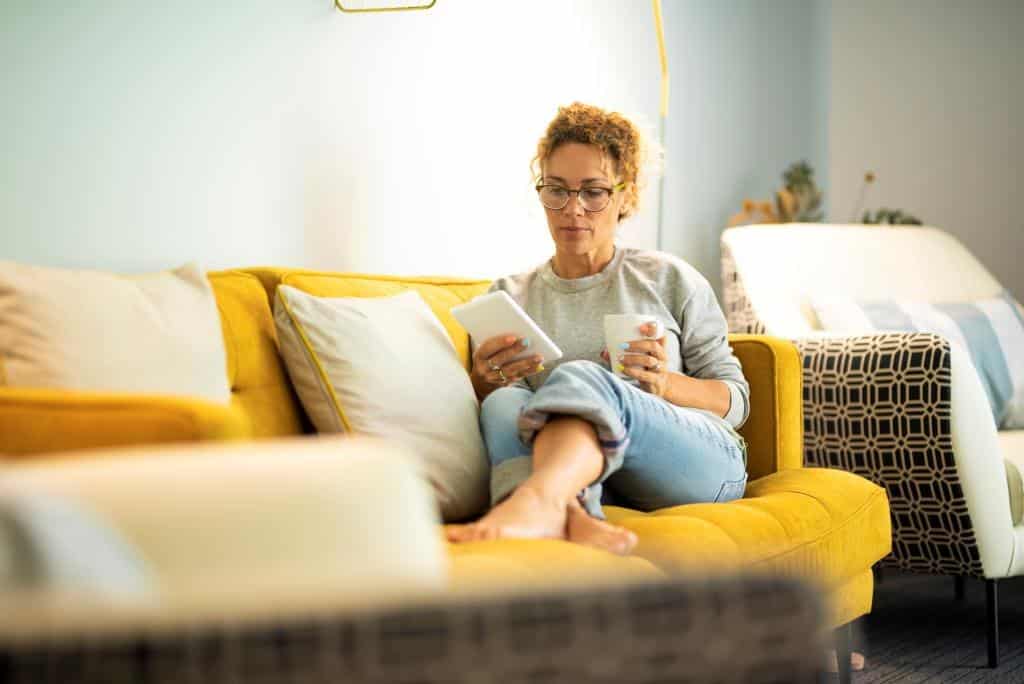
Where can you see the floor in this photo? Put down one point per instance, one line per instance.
(918, 632)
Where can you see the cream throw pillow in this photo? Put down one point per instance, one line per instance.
(88, 330)
(385, 367)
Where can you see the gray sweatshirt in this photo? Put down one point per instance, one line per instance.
(572, 313)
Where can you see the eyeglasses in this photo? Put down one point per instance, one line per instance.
(593, 198)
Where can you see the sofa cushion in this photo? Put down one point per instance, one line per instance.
(515, 564)
(95, 331)
(825, 526)
(821, 524)
(385, 367)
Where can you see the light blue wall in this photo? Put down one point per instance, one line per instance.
(749, 97)
(139, 135)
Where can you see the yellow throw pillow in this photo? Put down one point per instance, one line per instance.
(93, 331)
(385, 367)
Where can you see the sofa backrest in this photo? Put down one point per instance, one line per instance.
(781, 265)
(261, 388)
(259, 383)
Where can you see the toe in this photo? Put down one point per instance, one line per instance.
(625, 541)
(459, 533)
(630, 541)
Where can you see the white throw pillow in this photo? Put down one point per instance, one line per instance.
(385, 367)
(991, 331)
(158, 333)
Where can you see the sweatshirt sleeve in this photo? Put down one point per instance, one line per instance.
(706, 352)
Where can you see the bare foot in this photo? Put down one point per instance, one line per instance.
(584, 529)
(856, 661)
(525, 514)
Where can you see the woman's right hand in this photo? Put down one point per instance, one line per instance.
(493, 366)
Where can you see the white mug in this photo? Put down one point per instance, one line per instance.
(621, 329)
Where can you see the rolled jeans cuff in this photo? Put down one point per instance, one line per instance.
(611, 433)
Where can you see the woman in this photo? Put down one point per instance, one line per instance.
(558, 438)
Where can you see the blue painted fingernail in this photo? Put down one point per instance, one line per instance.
(526, 341)
(624, 345)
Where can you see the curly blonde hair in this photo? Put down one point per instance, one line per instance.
(618, 138)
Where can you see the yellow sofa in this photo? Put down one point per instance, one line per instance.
(826, 526)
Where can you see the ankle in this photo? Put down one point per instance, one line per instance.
(576, 506)
(541, 497)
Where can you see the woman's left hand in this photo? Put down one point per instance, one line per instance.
(647, 361)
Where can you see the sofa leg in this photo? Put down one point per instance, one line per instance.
(959, 583)
(992, 606)
(843, 649)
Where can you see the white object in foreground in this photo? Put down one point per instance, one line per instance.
(298, 525)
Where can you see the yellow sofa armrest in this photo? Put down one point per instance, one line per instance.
(774, 431)
(41, 420)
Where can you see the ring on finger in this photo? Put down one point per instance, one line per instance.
(501, 374)
(494, 367)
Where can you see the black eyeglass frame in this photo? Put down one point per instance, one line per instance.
(618, 187)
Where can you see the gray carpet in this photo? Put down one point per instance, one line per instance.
(918, 632)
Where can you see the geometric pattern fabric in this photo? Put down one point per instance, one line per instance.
(879, 406)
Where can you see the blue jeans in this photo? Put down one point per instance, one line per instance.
(656, 454)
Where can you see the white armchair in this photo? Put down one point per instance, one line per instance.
(905, 410)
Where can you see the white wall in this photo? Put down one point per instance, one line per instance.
(929, 94)
(140, 135)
